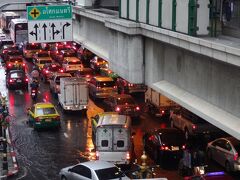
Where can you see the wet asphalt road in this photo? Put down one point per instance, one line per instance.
(42, 154)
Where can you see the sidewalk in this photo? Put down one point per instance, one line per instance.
(11, 158)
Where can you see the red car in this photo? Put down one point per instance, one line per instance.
(49, 69)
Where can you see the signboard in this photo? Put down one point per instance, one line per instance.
(49, 23)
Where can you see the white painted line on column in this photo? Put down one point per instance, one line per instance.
(66, 136)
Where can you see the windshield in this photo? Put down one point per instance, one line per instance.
(70, 54)
(106, 84)
(16, 60)
(43, 55)
(173, 138)
(45, 111)
(86, 72)
(109, 173)
(33, 46)
(74, 62)
(125, 101)
(17, 75)
(14, 53)
(54, 67)
(45, 61)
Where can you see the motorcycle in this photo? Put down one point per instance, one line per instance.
(34, 92)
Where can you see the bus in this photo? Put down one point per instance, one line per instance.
(18, 30)
(6, 18)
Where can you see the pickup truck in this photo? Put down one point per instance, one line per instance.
(191, 124)
(54, 82)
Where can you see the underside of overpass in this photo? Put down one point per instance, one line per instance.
(201, 75)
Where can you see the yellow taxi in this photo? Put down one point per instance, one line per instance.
(15, 62)
(41, 58)
(43, 115)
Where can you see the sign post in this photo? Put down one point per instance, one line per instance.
(49, 23)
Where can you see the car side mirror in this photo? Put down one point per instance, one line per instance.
(70, 170)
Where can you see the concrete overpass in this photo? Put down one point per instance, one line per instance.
(201, 74)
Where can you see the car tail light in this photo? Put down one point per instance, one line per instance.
(97, 155)
(9, 65)
(4, 51)
(38, 119)
(33, 90)
(87, 76)
(235, 158)
(128, 156)
(115, 87)
(183, 147)
(10, 80)
(32, 43)
(130, 85)
(61, 70)
(162, 112)
(194, 126)
(164, 148)
(98, 64)
(117, 109)
(24, 64)
(98, 87)
(68, 66)
(26, 79)
(137, 108)
(57, 118)
(46, 71)
(25, 51)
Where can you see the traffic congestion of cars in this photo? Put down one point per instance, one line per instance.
(111, 131)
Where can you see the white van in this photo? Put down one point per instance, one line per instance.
(112, 137)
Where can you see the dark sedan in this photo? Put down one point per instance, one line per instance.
(123, 104)
(165, 146)
(16, 79)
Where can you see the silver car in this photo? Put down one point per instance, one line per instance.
(95, 170)
(226, 152)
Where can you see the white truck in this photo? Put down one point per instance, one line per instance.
(158, 104)
(111, 135)
(73, 94)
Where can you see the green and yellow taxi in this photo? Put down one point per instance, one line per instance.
(43, 115)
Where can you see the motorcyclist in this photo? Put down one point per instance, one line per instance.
(35, 74)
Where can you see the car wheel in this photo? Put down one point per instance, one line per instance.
(227, 167)
(63, 178)
(186, 133)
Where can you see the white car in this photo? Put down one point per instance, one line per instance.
(94, 170)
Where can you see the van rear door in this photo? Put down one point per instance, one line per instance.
(104, 139)
(120, 140)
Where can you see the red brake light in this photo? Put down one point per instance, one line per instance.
(235, 158)
(129, 84)
(194, 126)
(61, 70)
(165, 148)
(9, 65)
(98, 87)
(137, 108)
(115, 87)
(26, 79)
(117, 109)
(33, 90)
(24, 64)
(87, 76)
(162, 111)
(4, 51)
(46, 71)
(128, 156)
(183, 146)
(97, 155)
(10, 80)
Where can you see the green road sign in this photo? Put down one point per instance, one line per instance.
(49, 12)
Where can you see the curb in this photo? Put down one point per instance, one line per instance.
(12, 154)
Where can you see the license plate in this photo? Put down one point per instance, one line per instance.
(48, 120)
(175, 148)
(19, 80)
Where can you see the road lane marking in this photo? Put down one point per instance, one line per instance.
(66, 136)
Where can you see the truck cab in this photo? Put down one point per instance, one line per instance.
(112, 137)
